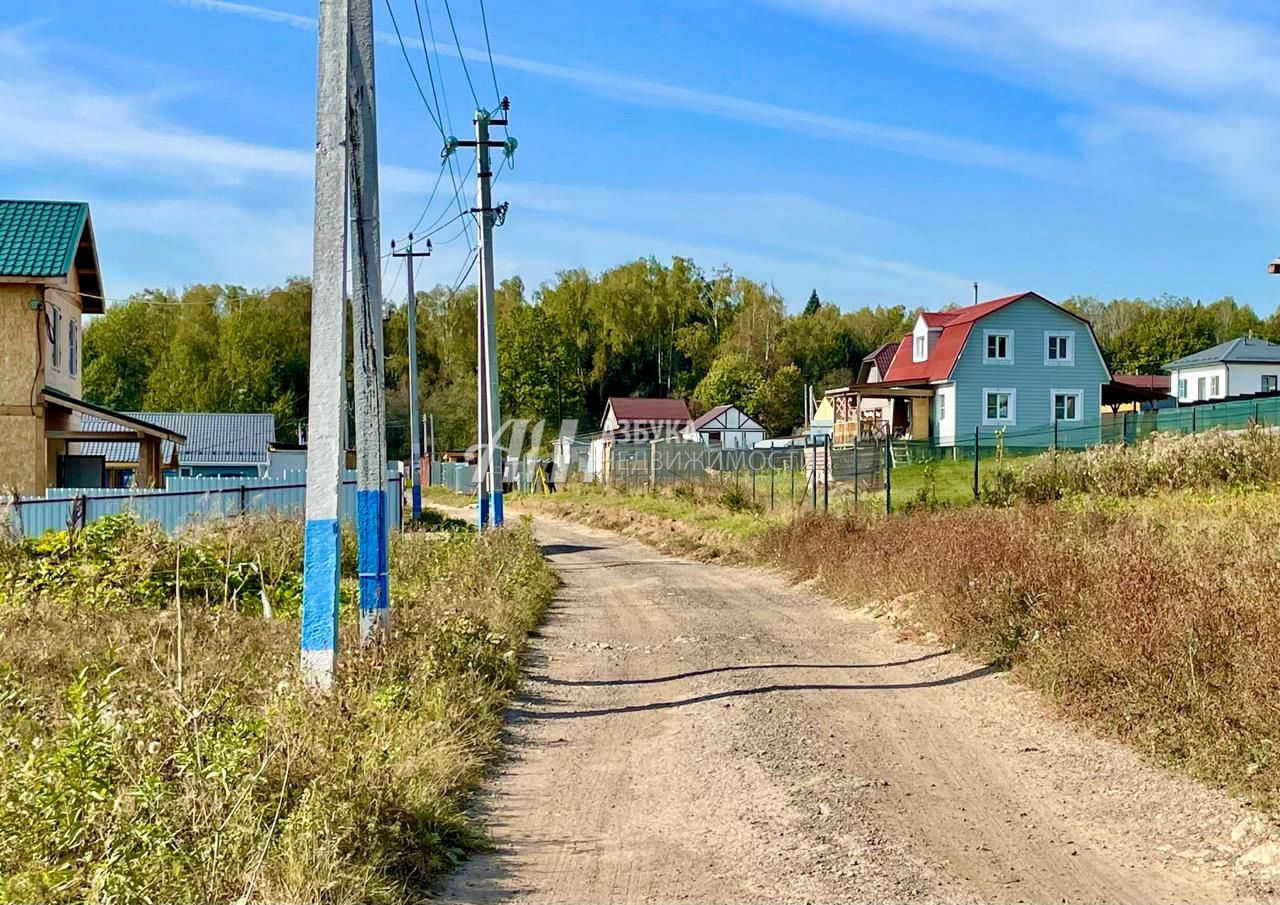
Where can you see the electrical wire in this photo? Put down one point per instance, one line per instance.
(463, 60)
(413, 72)
(484, 20)
(426, 55)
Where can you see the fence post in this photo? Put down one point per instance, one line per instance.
(771, 479)
(1055, 434)
(826, 475)
(791, 461)
(814, 471)
(977, 454)
(1193, 421)
(888, 481)
(1124, 428)
(855, 469)
(242, 499)
(751, 472)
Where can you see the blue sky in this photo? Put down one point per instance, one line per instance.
(882, 152)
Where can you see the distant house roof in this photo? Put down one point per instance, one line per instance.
(1144, 381)
(710, 416)
(881, 358)
(1243, 350)
(631, 408)
(212, 438)
(955, 330)
(50, 239)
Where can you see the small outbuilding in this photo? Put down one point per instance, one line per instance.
(726, 427)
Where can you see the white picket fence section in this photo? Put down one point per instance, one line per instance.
(191, 499)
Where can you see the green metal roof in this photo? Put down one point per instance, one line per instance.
(39, 238)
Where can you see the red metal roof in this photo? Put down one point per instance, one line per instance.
(882, 358)
(631, 408)
(955, 330)
(710, 416)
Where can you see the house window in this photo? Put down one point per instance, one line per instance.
(73, 347)
(942, 408)
(999, 347)
(1200, 393)
(1182, 388)
(1067, 405)
(999, 406)
(1268, 383)
(1213, 386)
(713, 437)
(54, 327)
(1059, 348)
(921, 348)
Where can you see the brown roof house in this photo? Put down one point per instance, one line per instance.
(629, 425)
(49, 280)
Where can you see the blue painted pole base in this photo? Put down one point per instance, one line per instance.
(372, 559)
(320, 574)
(483, 512)
(496, 508)
(417, 500)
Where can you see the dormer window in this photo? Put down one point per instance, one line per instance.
(922, 348)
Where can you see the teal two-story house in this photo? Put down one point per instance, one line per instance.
(1021, 364)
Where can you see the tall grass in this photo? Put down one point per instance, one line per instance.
(122, 780)
(1157, 463)
(1153, 621)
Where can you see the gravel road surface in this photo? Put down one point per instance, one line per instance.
(702, 733)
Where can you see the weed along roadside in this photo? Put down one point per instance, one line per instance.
(1134, 587)
(161, 747)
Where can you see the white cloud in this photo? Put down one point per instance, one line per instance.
(916, 142)
(1185, 81)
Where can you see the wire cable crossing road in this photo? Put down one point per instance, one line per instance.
(702, 733)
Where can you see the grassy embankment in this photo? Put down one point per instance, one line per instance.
(150, 751)
(1135, 587)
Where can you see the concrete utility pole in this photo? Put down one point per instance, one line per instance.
(321, 557)
(415, 445)
(489, 468)
(366, 320)
(484, 248)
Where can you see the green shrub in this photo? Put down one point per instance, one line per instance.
(125, 780)
(735, 499)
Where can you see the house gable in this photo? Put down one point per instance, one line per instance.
(1028, 375)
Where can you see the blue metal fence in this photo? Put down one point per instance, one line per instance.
(191, 499)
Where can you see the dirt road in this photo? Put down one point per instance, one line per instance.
(710, 734)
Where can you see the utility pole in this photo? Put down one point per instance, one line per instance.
(415, 446)
(366, 319)
(325, 414)
(489, 462)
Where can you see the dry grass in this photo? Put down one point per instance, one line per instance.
(1154, 621)
(120, 781)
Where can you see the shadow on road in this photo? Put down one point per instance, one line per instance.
(751, 692)
(710, 671)
(559, 549)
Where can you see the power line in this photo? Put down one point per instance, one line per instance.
(426, 55)
(497, 92)
(463, 60)
(405, 51)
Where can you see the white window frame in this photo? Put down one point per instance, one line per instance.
(921, 348)
(1008, 347)
(942, 407)
(1215, 386)
(1053, 405)
(1183, 388)
(55, 333)
(1275, 382)
(73, 347)
(1070, 337)
(988, 421)
(1202, 392)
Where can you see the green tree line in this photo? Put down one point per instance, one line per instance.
(644, 328)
